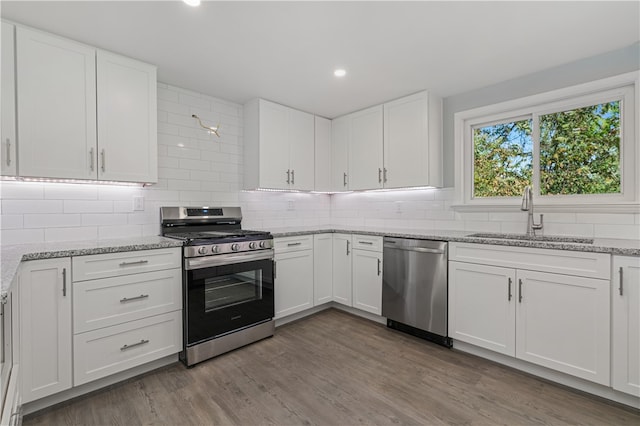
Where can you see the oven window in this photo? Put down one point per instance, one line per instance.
(232, 289)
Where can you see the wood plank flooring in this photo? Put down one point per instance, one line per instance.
(337, 369)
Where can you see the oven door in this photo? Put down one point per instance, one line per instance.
(227, 292)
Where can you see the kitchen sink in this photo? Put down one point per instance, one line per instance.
(525, 237)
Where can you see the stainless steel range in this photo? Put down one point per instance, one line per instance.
(228, 280)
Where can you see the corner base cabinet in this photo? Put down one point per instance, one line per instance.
(625, 305)
(45, 328)
(506, 299)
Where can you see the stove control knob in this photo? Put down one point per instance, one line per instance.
(202, 250)
(214, 249)
(235, 246)
(263, 244)
(252, 245)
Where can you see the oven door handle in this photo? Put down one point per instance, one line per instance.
(221, 260)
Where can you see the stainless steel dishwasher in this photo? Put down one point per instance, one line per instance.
(414, 287)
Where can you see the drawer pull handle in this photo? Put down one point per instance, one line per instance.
(133, 345)
(519, 290)
(509, 292)
(64, 282)
(369, 243)
(348, 247)
(293, 244)
(379, 263)
(129, 299)
(621, 279)
(139, 262)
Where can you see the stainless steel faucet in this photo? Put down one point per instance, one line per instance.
(527, 205)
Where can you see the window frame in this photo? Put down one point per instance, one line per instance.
(622, 87)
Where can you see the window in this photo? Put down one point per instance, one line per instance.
(574, 147)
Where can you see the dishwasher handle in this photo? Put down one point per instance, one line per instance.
(416, 249)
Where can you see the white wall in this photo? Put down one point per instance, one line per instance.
(208, 170)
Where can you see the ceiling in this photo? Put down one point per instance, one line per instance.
(286, 51)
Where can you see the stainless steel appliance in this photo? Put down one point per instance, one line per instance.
(228, 280)
(414, 287)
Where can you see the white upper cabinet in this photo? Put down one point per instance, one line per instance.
(413, 141)
(340, 153)
(8, 108)
(395, 145)
(365, 149)
(323, 154)
(127, 119)
(82, 113)
(56, 88)
(278, 147)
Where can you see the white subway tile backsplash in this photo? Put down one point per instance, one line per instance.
(22, 236)
(167, 95)
(121, 231)
(194, 164)
(195, 101)
(54, 191)
(101, 219)
(11, 221)
(88, 206)
(31, 206)
(71, 234)
(616, 231)
(52, 220)
(599, 218)
(22, 190)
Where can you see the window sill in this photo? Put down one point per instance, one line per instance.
(555, 208)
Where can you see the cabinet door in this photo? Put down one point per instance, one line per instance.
(482, 306)
(322, 268)
(626, 324)
(406, 142)
(293, 282)
(301, 149)
(45, 327)
(563, 323)
(274, 146)
(56, 88)
(340, 153)
(8, 109)
(127, 119)
(365, 149)
(341, 254)
(322, 155)
(367, 281)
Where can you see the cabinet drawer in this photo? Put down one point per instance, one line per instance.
(583, 264)
(286, 244)
(367, 242)
(110, 350)
(124, 263)
(110, 301)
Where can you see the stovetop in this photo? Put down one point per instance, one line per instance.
(219, 237)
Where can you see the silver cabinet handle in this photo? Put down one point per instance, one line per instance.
(288, 176)
(384, 175)
(344, 179)
(369, 243)
(519, 290)
(139, 262)
(379, 175)
(347, 247)
(293, 244)
(129, 299)
(64, 282)
(103, 155)
(509, 291)
(416, 249)
(8, 152)
(91, 159)
(133, 345)
(621, 277)
(293, 176)
(379, 264)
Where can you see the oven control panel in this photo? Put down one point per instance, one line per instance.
(214, 249)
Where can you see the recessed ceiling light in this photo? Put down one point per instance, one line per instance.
(192, 2)
(340, 72)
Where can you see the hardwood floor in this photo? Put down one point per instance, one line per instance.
(337, 369)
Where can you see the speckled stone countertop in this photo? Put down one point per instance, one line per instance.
(600, 245)
(12, 255)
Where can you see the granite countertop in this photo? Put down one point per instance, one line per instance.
(12, 255)
(599, 245)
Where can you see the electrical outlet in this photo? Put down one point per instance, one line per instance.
(138, 203)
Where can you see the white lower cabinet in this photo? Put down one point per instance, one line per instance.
(625, 297)
(367, 274)
(322, 269)
(341, 254)
(294, 275)
(45, 327)
(555, 320)
(109, 350)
